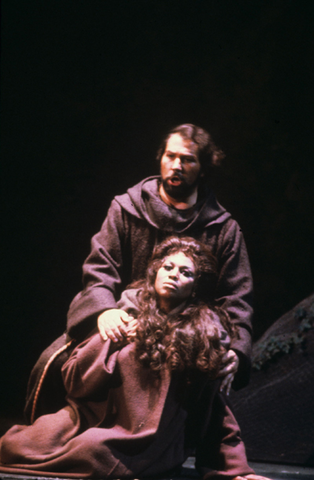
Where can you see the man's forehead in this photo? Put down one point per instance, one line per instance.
(176, 143)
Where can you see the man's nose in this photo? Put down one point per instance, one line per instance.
(177, 164)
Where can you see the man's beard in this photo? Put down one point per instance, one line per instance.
(181, 191)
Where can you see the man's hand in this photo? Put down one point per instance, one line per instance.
(230, 365)
(116, 324)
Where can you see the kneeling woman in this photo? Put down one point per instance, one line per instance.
(141, 408)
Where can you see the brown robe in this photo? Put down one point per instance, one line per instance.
(121, 420)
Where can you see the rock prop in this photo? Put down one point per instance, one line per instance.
(276, 410)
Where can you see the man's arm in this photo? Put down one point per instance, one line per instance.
(101, 275)
(235, 295)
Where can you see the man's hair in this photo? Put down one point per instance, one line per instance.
(208, 153)
(189, 339)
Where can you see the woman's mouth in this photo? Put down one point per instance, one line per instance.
(170, 285)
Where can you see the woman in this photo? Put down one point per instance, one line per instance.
(137, 409)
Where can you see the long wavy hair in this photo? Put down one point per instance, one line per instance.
(188, 339)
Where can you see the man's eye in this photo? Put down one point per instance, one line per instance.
(167, 267)
(188, 159)
(171, 156)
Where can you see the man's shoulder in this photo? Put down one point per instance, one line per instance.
(148, 184)
(132, 200)
(211, 212)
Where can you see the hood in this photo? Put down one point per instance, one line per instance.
(143, 201)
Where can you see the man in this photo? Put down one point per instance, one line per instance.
(176, 202)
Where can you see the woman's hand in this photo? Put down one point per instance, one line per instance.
(230, 365)
(116, 324)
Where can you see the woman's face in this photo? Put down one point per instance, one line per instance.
(174, 280)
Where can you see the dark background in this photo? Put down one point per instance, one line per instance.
(90, 87)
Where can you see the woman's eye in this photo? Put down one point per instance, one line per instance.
(167, 267)
(187, 273)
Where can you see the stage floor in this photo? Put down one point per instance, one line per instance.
(271, 471)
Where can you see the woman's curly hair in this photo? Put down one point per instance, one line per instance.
(189, 339)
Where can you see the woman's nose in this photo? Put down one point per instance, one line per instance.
(174, 273)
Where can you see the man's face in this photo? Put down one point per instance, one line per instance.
(180, 167)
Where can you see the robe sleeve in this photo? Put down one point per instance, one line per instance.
(129, 301)
(89, 367)
(101, 275)
(235, 294)
(223, 334)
